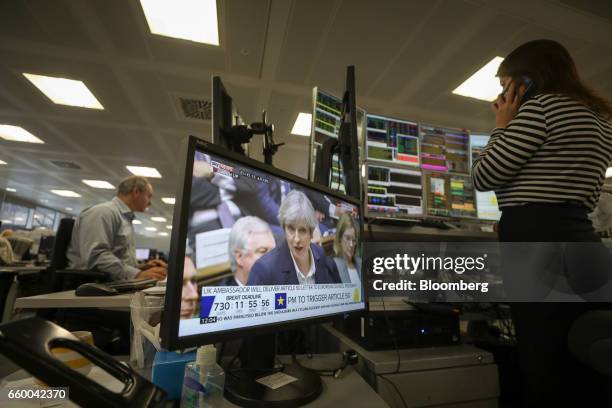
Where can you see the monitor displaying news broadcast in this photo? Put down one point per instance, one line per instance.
(293, 251)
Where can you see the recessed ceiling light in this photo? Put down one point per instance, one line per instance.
(151, 229)
(169, 200)
(484, 84)
(169, 227)
(193, 20)
(609, 172)
(150, 172)
(64, 91)
(302, 124)
(137, 222)
(66, 193)
(163, 234)
(99, 184)
(2, 162)
(17, 134)
(12, 190)
(18, 219)
(158, 219)
(68, 209)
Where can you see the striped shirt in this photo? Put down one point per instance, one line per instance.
(555, 150)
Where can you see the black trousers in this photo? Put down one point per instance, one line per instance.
(550, 375)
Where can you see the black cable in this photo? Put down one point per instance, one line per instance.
(220, 356)
(229, 365)
(393, 337)
(399, 361)
(394, 387)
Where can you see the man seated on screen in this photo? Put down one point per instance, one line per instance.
(296, 261)
(249, 240)
(103, 235)
(189, 294)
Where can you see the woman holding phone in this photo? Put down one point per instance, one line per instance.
(546, 161)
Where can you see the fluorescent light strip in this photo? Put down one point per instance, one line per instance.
(17, 134)
(302, 124)
(193, 20)
(150, 172)
(10, 189)
(137, 222)
(99, 184)
(163, 234)
(158, 219)
(169, 200)
(63, 91)
(151, 229)
(2, 162)
(483, 84)
(66, 193)
(169, 227)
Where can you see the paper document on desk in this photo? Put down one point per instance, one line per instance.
(276, 380)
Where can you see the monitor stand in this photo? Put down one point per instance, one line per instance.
(257, 361)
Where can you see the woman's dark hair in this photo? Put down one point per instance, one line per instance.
(552, 70)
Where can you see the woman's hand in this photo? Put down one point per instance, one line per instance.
(507, 104)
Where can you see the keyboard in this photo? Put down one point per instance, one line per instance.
(131, 285)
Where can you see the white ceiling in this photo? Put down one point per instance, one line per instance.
(409, 56)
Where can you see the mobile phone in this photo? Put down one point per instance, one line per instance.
(528, 82)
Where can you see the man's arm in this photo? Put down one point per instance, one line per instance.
(96, 234)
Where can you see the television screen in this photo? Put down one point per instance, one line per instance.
(290, 250)
(486, 201)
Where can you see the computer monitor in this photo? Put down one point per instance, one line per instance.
(224, 116)
(394, 192)
(348, 141)
(486, 201)
(445, 149)
(45, 247)
(327, 122)
(449, 195)
(394, 179)
(210, 216)
(143, 254)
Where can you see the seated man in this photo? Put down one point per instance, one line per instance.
(103, 235)
(249, 240)
(296, 261)
(189, 293)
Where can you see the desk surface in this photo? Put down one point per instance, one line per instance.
(350, 390)
(68, 299)
(22, 270)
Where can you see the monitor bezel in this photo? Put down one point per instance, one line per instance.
(169, 331)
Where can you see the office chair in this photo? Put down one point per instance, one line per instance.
(110, 328)
(59, 277)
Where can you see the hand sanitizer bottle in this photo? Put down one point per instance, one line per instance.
(204, 380)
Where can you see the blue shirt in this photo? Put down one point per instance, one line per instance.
(103, 239)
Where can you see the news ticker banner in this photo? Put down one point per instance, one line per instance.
(231, 307)
(488, 271)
